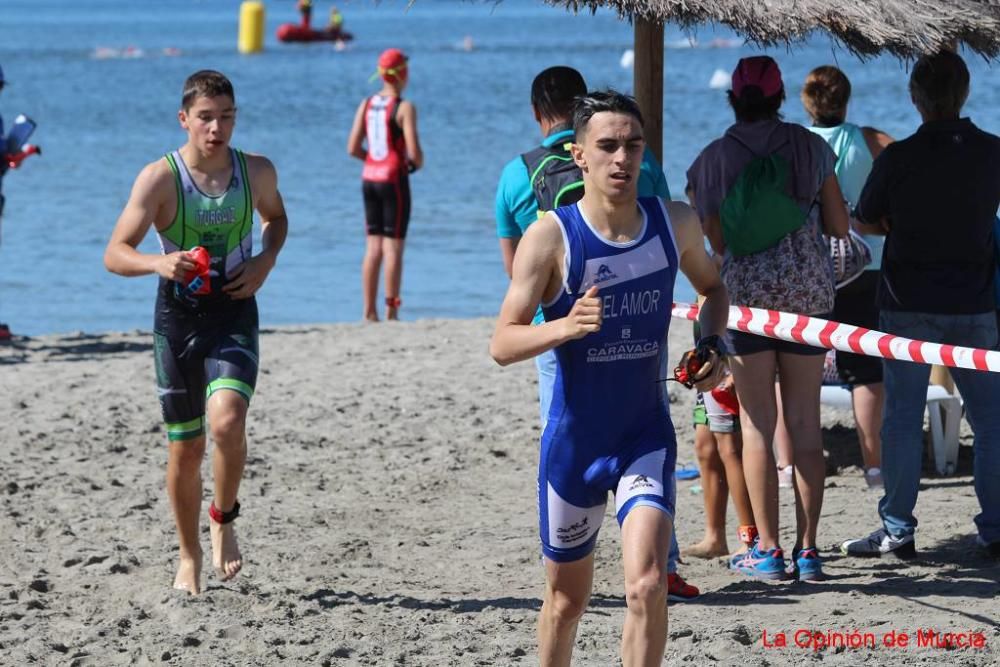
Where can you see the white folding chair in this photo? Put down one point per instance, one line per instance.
(944, 414)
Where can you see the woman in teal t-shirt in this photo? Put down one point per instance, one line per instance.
(825, 95)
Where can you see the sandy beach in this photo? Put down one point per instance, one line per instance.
(389, 519)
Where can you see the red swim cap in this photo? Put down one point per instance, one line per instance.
(392, 65)
(759, 71)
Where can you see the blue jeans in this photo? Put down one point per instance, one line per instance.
(546, 365)
(902, 425)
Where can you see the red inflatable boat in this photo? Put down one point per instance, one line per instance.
(295, 32)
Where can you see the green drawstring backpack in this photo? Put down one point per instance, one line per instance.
(757, 212)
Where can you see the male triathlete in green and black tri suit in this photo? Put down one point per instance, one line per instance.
(190, 327)
(205, 340)
(204, 194)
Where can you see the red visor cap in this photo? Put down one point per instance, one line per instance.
(759, 71)
(392, 59)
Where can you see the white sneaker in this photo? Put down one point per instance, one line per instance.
(879, 543)
(785, 477)
(873, 478)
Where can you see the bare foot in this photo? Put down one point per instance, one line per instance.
(392, 314)
(226, 558)
(189, 574)
(371, 317)
(707, 549)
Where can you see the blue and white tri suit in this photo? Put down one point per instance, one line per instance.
(608, 426)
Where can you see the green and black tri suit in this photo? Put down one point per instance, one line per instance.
(205, 343)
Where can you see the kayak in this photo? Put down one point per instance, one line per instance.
(294, 32)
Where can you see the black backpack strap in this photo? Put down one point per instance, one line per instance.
(550, 170)
(533, 158)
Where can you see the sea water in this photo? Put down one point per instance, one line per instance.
(103, 79)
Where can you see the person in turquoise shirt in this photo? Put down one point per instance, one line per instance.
(516, 205)
(552, 96)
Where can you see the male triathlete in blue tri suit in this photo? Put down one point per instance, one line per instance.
(552, 94)
(204, 194)
(603, 270)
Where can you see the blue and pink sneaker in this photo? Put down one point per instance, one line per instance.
(805, 565)
(768, 564)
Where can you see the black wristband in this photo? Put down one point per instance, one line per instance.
(712, 343)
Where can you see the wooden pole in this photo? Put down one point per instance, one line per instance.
(648, 81)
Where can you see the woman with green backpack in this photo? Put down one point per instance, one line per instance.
(766, 193)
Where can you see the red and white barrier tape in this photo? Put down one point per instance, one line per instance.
(818, 332)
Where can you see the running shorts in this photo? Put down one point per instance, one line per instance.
(708, 412)
(573, 485)
(747, 343)
(199, 355)
(387, 207)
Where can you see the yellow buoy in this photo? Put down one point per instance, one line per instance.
(251, 38)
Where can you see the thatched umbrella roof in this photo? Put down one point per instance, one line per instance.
(905, 28)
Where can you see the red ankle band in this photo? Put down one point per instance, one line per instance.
(393, 301)
(747, 534)
(218, 516)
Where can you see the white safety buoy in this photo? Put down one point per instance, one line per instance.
(720, 80)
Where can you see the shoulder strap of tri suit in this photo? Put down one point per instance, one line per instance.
(364, 114)
(175, 162)
(575, 258)
(181, 173)
(241, 168)
(395, 125)
(172, 163)
(657, 210)
(246, 225)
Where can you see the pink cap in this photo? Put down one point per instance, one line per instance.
(759, 71)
